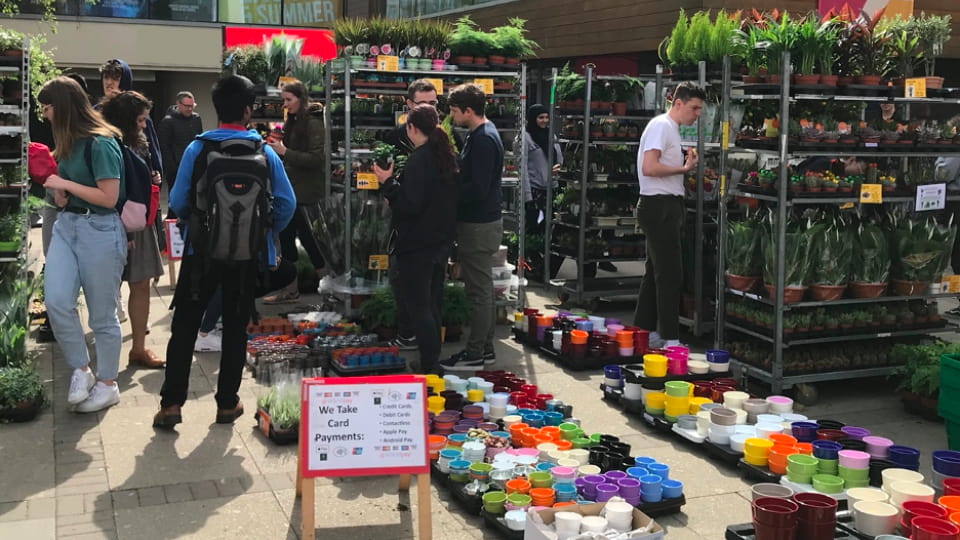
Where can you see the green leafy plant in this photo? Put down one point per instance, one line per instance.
(380, 310)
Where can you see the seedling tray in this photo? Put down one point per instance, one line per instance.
(497, 524)
(722, 452)
(746, 531)
(756, 473)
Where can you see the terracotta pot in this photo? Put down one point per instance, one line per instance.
(829, 80)
(742, 283)
(823, 293)
(867, 290)
(620, 108)
(791, 295)
(872, 80)
(934, 82)
(807, 79)
(495, 59)
(909, 288)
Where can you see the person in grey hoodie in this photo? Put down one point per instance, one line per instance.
(178, 129)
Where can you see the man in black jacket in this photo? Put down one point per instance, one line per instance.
(177, 129)
(479, 223)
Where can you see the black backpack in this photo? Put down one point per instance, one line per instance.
(232, 201)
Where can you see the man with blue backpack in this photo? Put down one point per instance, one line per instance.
(233, 196)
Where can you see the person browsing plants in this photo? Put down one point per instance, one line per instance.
(479, 225)
(423, 202)
(660, 214)
(89, 245)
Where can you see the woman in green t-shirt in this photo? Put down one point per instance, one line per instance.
(89, 245)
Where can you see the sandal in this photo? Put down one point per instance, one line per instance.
(283, 297)
(148, 360)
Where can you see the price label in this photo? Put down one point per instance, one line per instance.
(485, 84)
(388, 63)
(438, 84)
(915, 88)
(367, 181)
(378, 262)
(871, 194)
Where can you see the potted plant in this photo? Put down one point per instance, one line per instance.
(21, 393)
(455, 312)
(743, 254)
(871, 248)
(932, 31)
(379, 313)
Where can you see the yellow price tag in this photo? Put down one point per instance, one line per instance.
(388, 63)
(378, 262)
(485, 84)
(871, 194)
(915, 88)
(438, 84)
(724, 134)
(367, 181)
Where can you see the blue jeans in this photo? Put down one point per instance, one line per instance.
(87, 251)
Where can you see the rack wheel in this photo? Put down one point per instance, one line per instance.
(806, 394)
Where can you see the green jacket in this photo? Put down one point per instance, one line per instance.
(304, 161)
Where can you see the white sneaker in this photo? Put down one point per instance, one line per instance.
(80, 384)
(207, 343)
(101, 397)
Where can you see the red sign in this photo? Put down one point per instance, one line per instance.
(316, 43)
(363, 426)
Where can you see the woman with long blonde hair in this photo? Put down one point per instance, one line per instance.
(89, 245)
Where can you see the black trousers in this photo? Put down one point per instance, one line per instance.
(420, 288)
(658, 305)
(240, 286)
(302, 226)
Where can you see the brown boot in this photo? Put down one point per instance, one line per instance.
(167, 417)
(227, 416)
(146, 359)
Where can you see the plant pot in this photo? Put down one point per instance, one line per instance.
(791, 295)
(620, 108)
(804, 80)
(829, 80)
(867, 290)
(462, 60)
(871, 80)
(934, 82)
(825, 293)
(496, 59)
(742, 283)
(909, 288)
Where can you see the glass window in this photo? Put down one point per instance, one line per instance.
(183, 10)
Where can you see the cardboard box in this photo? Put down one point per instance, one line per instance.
(539, 523)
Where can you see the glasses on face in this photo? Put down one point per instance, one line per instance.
(432, 103)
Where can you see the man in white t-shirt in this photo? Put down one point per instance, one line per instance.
(661, 166)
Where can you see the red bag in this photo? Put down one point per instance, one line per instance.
(40, 163)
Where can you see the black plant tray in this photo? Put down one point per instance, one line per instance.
(757, 474)
(745, 531)
(722, 452)
(341, 371)
(497, 524)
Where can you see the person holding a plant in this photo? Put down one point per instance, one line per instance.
(89, 245)
(423, 203)
(479, 223)
(302, 153)
(660, 213)
(127, 111)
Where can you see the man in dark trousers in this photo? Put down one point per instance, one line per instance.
(661, 166)
(479, 223)
(178, 129)
(233, 99)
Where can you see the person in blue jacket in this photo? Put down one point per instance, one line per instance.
(233, 99)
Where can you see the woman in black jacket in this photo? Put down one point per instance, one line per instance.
(423, 201)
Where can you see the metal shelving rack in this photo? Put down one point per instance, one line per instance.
(583, 288)
(351, 89)
(775, 376)
(18, 192)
